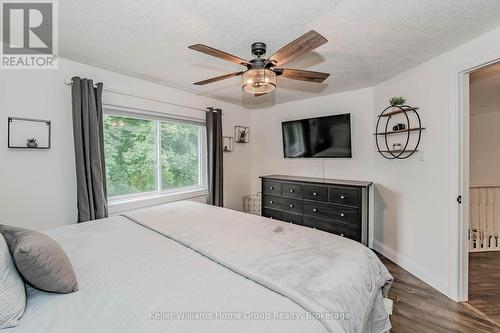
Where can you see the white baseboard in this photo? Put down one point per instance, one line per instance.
(436, 281)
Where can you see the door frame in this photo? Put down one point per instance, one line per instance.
(459, 172)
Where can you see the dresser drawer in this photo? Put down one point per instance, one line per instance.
(345, 196)
(291, 190)
(285, 204)
(348, 215)
(269, 187)
(272, 214)
(282, 216)
(332, 227)
(317, 193)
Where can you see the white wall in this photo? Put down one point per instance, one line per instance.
(38, 188)
(485, 148)
(413, 224)
(268, 145)
(411, 196)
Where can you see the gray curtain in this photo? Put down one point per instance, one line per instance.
(214, 157)
(89, 149)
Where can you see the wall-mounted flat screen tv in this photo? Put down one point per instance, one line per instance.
(323, 137)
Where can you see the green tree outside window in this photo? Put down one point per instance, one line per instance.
(131, 155)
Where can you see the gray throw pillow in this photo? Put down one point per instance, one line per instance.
(12, 293)
(40, 260)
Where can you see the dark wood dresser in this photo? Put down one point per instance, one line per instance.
(332, 205)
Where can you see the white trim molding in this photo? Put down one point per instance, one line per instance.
(117, 207)
(459, 168)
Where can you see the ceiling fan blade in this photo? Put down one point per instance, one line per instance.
(218, 78)
(219, 54)
(302, 75)
(305, 43)
(257, 95)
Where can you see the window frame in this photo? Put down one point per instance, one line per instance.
(136, 200)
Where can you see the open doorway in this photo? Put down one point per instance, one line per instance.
(484, 191)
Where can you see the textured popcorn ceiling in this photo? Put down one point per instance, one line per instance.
(485, 89)
(369, 40)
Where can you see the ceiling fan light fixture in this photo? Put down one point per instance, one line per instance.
(259, 81)
(259, 78)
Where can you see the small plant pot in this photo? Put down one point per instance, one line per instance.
(32, 144)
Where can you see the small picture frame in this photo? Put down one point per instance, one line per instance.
(242, 134)
(228, 144)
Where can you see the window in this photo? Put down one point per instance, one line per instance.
(146, 157)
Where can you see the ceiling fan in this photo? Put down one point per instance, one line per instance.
(260, 76)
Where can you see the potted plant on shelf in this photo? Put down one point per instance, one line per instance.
(31, 143)
(396, 102)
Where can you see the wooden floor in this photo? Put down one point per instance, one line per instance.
(419, 308)
(484, 283)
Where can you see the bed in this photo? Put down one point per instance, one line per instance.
(191, 267)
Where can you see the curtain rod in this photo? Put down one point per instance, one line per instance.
(120, 92)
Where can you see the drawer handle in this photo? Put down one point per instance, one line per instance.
(291, 205)
(315, 194)
(341, 235)
(271, 187)
(291, 190)
(315, 210)
(342, 197)
(271, 202)
(342, 214)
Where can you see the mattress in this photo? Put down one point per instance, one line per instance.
(135, 279)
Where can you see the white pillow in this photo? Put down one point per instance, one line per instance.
(12, 292)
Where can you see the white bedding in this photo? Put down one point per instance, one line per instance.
(133, 279)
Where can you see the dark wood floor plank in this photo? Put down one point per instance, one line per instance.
(419, 308)
(484, 283)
